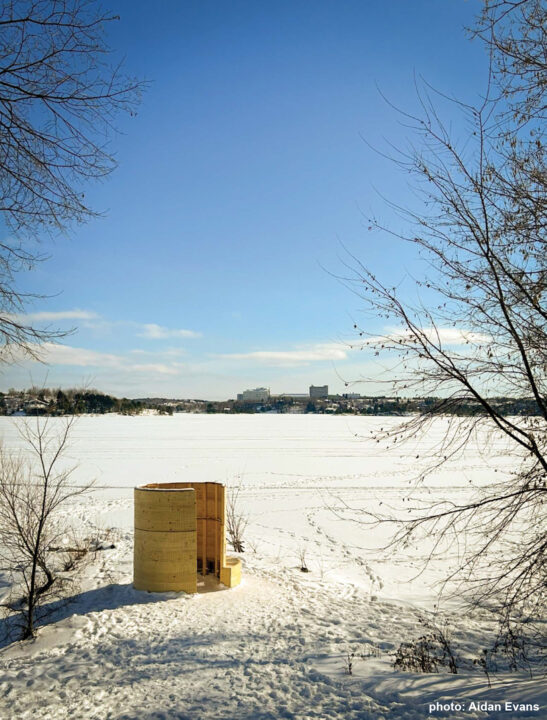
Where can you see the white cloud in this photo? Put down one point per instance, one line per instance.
(55, 316)
(324, 352)
(446, 336)
(457, 336)
(54, 354)
(293, 358)
(160, 368)
(158, 332)
(165, 353)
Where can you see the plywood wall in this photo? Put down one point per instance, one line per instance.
(180, 529)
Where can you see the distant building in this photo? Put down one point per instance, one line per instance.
(257, 395)
(319, 391)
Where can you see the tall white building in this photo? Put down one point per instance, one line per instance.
(256, 395)
(319, 391)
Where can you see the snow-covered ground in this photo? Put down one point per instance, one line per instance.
(277, 645)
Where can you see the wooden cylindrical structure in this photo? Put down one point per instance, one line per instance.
(165, 539)
(180, 531)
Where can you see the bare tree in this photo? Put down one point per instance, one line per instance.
(478, 326)
(236, 520)
(59, 98)
(515, 32)
(32, 494)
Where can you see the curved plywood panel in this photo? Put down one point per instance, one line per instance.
(165, 540)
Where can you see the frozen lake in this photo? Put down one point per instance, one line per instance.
(264, 451)
(306, 482)
(276, 645)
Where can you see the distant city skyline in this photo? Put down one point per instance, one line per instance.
(247, 171)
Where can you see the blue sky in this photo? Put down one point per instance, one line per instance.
(245, 172)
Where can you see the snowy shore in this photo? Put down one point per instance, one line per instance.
(278, 645)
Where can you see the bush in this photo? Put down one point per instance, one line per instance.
(428, 653)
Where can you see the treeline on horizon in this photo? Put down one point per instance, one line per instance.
(340, 405)
(47, 401)
(78, 401)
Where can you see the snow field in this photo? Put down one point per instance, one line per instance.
(276, 646)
